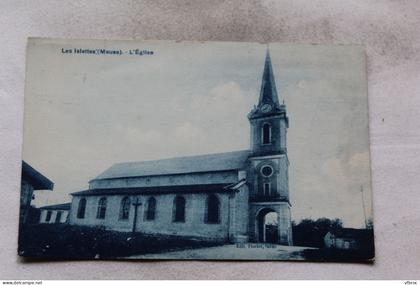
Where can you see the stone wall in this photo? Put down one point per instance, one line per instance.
(43, 216)
(278, 135)
(284, 220)
(279, 181)
(242, 212)
(194, 225)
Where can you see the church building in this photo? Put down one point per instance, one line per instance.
(240, 196)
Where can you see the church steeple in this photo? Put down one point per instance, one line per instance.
(268, 119)
(268, 93)
(268, 102)
(268, 177)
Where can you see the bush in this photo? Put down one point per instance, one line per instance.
(311, 232)
(62, 241)
(339, 255)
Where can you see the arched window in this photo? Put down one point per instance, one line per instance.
(81, 209)
(212, 210)
(125, 208)
(100, 214)
(151, 209)
(179, 209)
(266, 133)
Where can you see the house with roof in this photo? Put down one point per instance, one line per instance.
(348, 238)
(54, 214)
(221, 196)
(31, 180)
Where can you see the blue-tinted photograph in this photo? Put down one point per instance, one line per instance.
(195, 150)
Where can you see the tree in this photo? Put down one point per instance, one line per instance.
(311, 232)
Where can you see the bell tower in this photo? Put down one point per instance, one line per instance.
(268, 119)
(269, 165)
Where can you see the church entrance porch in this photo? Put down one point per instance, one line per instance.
(267, 223)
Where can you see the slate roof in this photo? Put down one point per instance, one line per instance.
(202, 188)
(178, 165)
(268, 93)
(35, 178)
(65, 206)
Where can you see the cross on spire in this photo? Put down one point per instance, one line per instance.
(268, 93)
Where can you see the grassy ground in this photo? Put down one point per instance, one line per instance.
(61, 241)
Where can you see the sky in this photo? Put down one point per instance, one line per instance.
(83, 113)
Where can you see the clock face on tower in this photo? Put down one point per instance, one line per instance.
(266, 108)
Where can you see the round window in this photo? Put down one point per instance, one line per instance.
(267, 171)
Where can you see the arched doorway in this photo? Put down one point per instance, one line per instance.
(267, 221)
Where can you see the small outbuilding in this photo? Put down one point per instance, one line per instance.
(54, 213)
(347, 238)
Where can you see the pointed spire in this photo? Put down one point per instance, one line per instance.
(268, 93)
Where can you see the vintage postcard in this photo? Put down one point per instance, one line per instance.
(195, 150)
